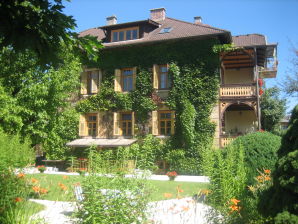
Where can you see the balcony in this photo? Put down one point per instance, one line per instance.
(238, 90)
(270, 69)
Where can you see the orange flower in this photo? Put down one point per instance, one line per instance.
(18, 199)
(21, 175)
(260, 179)
(179, 189)
(65, 177)
(235, 201)
(43, 191)
(267, 178)
(35, 189)
(267, 171)
(167, 195)
(234, 207)
(62, 186)
(33, 180)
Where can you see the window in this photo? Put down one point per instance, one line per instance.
(125, 34)
(92, 82)
(165, 30)
(165, 122)
(92, 124)
(126, 124)
(164, 78)
(127, 79)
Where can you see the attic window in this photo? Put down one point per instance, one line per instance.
(125, 34)
(166, 30)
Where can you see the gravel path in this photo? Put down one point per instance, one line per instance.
(56, 212)
(175, 211)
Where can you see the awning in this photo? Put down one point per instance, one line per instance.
(102, 142)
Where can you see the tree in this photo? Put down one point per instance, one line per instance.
(272, 108)
(40, 26)
(290, 85)
(281, 201)
(37, 103)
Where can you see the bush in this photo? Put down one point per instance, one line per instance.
(283, 196)
(182, 164)
(14, 153)
(227, 180)
(113, 199)
(260, 150)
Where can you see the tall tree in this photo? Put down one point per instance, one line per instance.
(290, 85)
(272, 108)
(37, 103)
(40, 26)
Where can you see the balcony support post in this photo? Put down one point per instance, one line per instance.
(256, 75)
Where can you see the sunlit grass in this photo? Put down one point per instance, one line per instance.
(53, 183)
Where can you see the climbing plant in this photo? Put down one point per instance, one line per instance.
(195, 78)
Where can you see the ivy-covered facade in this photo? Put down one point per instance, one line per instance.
(175, 80)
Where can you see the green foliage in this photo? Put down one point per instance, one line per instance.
(112, 200)
(14, 153)
(11, 187)
(272, 108)
(227, 175)
(41, 99)
(182, 164)
(283, 196)
(147, 152)
(286, 218)
(220, 48)
(41, 26)
(260, 150)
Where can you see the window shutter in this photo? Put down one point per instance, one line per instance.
(132, 123)
(117, 123)
(154, 123)
(134, 77)
(99, 79)
(117, 86)
(94, 81)
(172, 122)
(155, 76)
(100, 127)
(84, 78)
(83, 130)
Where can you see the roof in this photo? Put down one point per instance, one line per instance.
(102, 142)
(180, 30)
(249, 40)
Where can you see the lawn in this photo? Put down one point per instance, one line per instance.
(60, 187)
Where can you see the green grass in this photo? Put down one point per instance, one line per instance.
(55, 193)
(161, 187)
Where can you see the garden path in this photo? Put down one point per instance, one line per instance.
(175, 211)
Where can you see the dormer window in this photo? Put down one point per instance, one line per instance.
(125, 34)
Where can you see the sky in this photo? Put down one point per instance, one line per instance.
(276, 19)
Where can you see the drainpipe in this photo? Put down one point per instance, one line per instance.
(256, 75)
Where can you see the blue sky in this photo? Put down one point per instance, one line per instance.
(277, 19)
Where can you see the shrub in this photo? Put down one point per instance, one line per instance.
(282, 198)
(182, 164)
(227, 181)
(113, 199)
(14, 153)
(260, 150)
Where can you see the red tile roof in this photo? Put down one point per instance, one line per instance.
(249, 40)
(180, 29)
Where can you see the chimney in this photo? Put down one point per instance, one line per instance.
(111, 20)
(197, 20)
(158, 14)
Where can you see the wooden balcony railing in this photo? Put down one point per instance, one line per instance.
(238, 90)
(225, 140)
